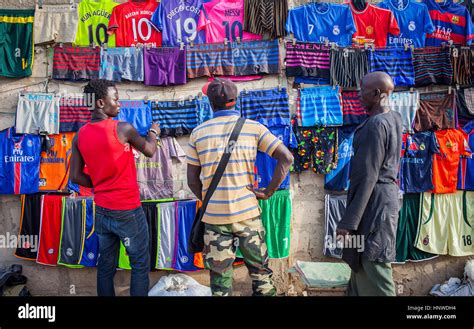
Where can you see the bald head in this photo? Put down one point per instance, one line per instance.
(375, 88)
(378, 80)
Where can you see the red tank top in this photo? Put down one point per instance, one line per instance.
(111, 166)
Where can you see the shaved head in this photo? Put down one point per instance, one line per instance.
(378, 80)
(375, 89)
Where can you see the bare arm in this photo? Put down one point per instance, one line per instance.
(129, 134)
(77, 167)
(194, 183)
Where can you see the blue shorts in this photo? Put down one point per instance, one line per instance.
(320, 106)
(122, 63)
(184, 261)
(137, 113)
(91, 240)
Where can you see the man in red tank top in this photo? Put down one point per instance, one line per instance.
(105, 146)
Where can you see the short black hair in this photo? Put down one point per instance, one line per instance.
(98, 88)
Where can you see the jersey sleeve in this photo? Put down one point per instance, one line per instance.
(267, 142)
(292, 21)
(428, 23)
(463, 144)
(114, 21)
(434, 145)
(393, 27)
(469, 28)
(156, 18)
(350, 25)
(192, 154)
(203, 19)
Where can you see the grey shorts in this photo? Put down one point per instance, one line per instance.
(122, 63)
(37, 113)
(55, 23)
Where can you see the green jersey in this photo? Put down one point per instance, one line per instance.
(93, 23)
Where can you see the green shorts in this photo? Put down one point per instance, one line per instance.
(16, 42)
(407, 230)
(276, 219)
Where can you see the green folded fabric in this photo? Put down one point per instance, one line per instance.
(323, 275)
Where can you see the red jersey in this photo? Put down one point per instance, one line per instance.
(375, 23)
(452, 144)
(131, 23)
(111, 166)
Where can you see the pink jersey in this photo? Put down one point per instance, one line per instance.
(224, 19)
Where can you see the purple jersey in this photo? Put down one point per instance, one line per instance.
(177, 20)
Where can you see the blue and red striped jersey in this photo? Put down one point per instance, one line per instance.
(452, 21)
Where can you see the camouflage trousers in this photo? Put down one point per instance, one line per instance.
(220, 245)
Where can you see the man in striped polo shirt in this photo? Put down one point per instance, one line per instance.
(232, 218)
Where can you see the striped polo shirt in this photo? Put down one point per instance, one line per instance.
(231, 202)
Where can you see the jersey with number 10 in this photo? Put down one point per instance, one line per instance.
(131, 24)
(177, 20)
(223, 19)
(94, 19)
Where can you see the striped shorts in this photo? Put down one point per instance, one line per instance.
(307, 60)
(269, 107)
(461, 60)
(76, 63)
(73, 114)
(348, 66)
(266, 16)
(246, 58)
(432, 66)
(256, 57)
(320, 106)
(353, 113)
(176, 118)
(397, 63)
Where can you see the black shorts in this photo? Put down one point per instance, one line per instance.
(465, 105)
(151, 213)
(432, 66)
(266, 17)
(348, 66)
(29, 226)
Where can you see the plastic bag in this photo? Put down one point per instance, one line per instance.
(178, 285)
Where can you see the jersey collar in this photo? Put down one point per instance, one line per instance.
(225, 113)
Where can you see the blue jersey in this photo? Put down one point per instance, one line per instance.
(266, 164)
(414, 21)
(338, 179)
(466, 165)
(318, 22)
(416, 164)
(137, 113)
(177, 20)
(20, 162)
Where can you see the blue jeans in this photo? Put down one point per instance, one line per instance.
(130, 227)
